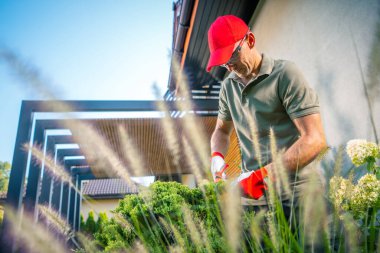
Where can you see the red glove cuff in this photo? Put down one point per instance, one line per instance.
(217, 154)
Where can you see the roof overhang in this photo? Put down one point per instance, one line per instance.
(190, 46)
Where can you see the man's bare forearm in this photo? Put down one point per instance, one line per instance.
(220, 141)
(312, 141)
(303, 151)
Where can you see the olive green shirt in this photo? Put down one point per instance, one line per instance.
(278, 94)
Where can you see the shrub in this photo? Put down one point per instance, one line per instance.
(156, 217)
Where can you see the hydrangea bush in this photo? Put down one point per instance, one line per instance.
(361, 152)
(361, 199)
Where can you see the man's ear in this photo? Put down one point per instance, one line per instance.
(251, 40)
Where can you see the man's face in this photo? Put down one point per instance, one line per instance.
(238, 63)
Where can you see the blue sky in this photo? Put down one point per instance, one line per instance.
(86, 50)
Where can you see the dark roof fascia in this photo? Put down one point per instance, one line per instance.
(108, 196)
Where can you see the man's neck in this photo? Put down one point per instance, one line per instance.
(256, 68)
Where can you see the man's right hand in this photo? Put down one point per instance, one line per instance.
(218, 166)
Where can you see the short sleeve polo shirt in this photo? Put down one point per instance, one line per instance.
(276, 96)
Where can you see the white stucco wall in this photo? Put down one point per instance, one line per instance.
(99, 205)
(319, 37)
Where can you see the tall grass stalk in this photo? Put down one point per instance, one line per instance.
(194, 132)
(170, 133)
(54, 168)
(313, 205)
(352, 234)
(279, 172)
(255, 139)
(232, 213)
(192, 228)
(32, 236)
(89, 245)
(55, 221)
(134, 159)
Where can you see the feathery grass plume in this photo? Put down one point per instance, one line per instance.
(272, 229)
(168, 125)
(279, 171)
(256, 229)
(29, 74)
(138, 247)
(255, 139)
(89, 246)
(351, 233)
(194, 132)
(313, 205)
(55, 221)
(133, 158)
(177, 236)
(176, 249)
(98, 151)
(205, 239)
(191, 227)
(54, 168)
(189, 152)
(170, 131)
(85, 133)
(122, 221)
(31, 236)
(232, 213)
(339, 161)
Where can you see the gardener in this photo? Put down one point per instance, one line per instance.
(274, 95)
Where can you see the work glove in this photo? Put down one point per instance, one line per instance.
(252, 183)
(218, 166)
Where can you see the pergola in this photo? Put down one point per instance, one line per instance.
(42, 188)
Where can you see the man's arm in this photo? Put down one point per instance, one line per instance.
(220, 138)
(308, 146)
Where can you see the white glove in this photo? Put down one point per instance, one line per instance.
(218, 166)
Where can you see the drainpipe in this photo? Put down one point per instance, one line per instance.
(181, 32)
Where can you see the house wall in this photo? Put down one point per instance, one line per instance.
(320, 37)
(189, 180)
(99, 205)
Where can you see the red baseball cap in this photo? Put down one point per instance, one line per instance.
(222, 36)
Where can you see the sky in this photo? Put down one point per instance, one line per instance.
(84, 50)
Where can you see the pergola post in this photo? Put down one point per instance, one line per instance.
(34, 176)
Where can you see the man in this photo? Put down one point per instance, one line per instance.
(274, 94)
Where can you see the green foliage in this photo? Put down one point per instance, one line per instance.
(102, 219)
(82, 224)
(5, 169)
(156, 218)
(90, 225)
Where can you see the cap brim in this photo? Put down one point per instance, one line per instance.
(220, 56)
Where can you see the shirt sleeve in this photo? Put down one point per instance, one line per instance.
(224, 110)
(297, 97)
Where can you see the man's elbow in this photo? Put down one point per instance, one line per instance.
(319, 143)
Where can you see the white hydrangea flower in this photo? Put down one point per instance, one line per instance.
(365, 194)
(340, 191)
(359, 150)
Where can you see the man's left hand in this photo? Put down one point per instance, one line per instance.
(252, 183)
